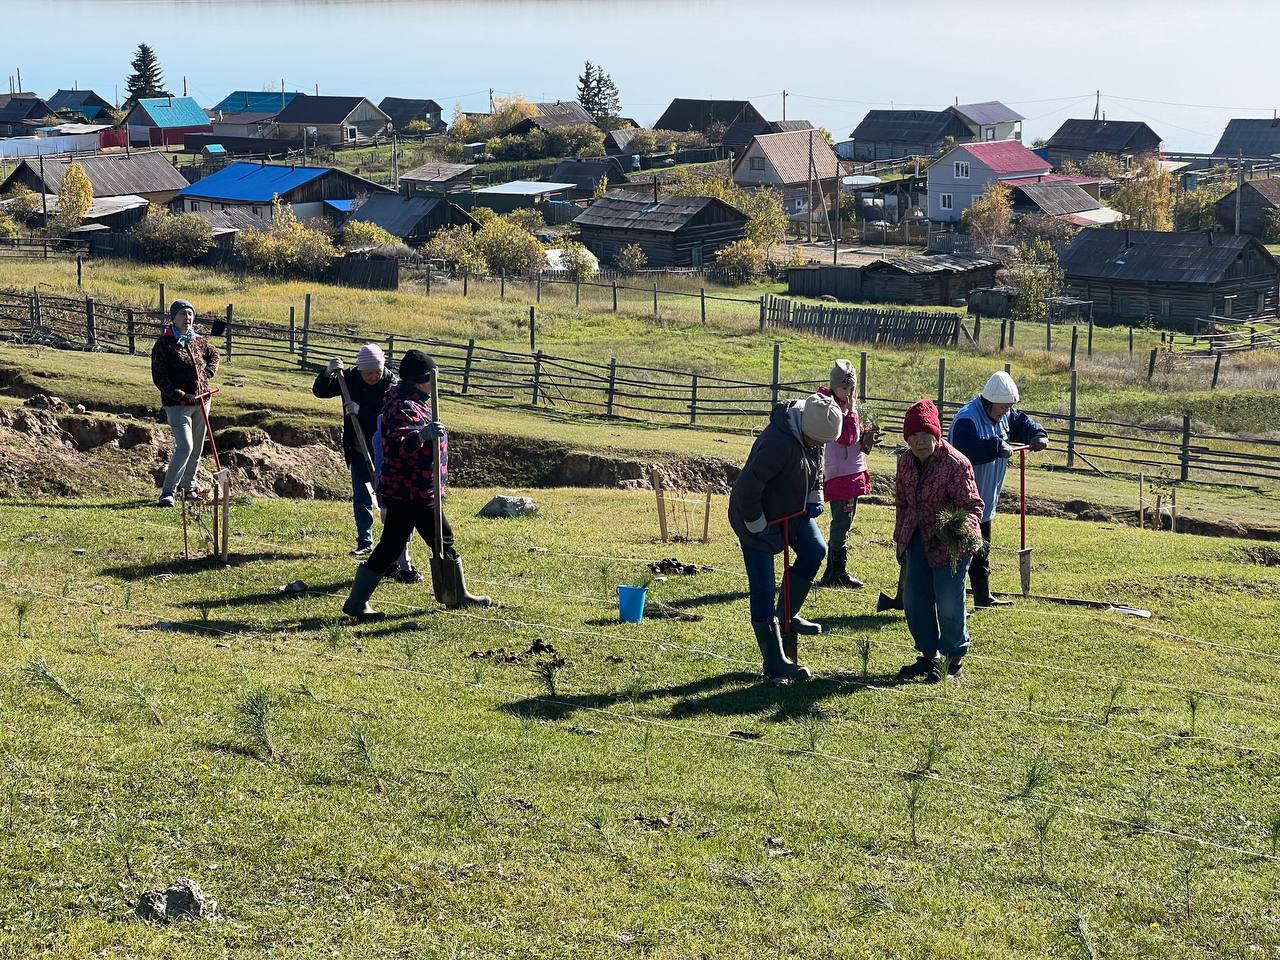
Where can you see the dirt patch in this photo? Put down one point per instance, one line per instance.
(1263, 556)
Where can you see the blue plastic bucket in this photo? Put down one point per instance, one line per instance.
(631, 603)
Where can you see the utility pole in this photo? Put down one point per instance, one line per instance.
(491, 99)
(44, 197)
(1097, 104)
(810, 173)
(184, 86)
(19, 69)
(784, 105)
(1239, 185)
(395, 162)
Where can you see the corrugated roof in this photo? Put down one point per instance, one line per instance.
(82, 101)
(740, 133)
(1057, 197)
(1139, 255)
(910, 126)
(22, 106)
(684, 115)
(404, 111)
(526, 188)
(561, 113)
(934, 263)
(399, 216)
(989, 111)
(1104, 136)
(1076, 178)
(252, 182)
(242, 119)
(308, 109)
(667, 215)
(1003, 156)
(1253, 138)
(114, 175)
(254, 101)
(788, 154)
(171, 112)
(437, 172)
(233, 218)
(342, 206)
(620, 139)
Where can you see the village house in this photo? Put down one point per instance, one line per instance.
(672, 231)
(81, 104)
(893, 134)
(21, 113)
(990, 120)
(1072, 199)
(925, 280)
(1126, 140)
(962, 174)
(782, 161)
(1175, 279)
(1259, 207)
(617, 143)
(311, 192)
(516, 195)
(411, 220)
(164, 121)
(149, 175)
(269, 102)
(406, 111)
(1252, 139)
(551, 117)
(331, 120)
(711, 118)
(740, 132)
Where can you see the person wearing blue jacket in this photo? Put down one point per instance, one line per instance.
(984, 430)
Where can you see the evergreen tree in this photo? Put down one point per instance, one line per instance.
(598, 95)
(146, 79)
(587, 89)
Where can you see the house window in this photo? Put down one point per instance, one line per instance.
(1166, 309)
(1262, 302)
(944, 201)
(195, 205)
(1227, 303)
(988, 133)
(757, 163)
(961, 170)
(256, 212)
(352, 134)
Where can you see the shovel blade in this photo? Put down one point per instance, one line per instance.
(1024, 569)
(440, 579)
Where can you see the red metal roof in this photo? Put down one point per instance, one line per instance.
(1006, 156)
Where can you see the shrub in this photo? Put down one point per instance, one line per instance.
(360, 234)
(8, 229)
(631, 258)
(797, 257)
(579, 140)
(74, 200)
(456, 246)
(643, 142)
(288, 247)
(509, 248)
(173, 238)
(577, 261)
(527, 218)
(741, 259)
(418, 127)
(1271, 230)
(23, 202)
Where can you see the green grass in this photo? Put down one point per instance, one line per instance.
(380, 791)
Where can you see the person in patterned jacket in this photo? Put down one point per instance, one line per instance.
(406, 487)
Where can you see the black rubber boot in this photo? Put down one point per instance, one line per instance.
(982, 597)
(887, 602)
(456, 594)
(925, 668)
(357, 604)
(778, 668)
(837, 572)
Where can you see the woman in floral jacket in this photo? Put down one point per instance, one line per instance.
(934, 478)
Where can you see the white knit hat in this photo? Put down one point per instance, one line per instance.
(821, 418)
(370, 357)
(842, 375)
(1000, 389)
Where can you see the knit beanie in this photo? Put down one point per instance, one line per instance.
(416, 367)
(842, 376)
(370, 357)
(821, 419)
(922, 417)
(179, 305)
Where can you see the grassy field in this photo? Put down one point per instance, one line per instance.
(424, 787)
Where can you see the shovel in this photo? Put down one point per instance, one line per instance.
(1024, 554)
(441, 577)
(358, 431)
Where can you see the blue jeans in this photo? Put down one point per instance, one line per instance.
(809, 547)
(187, 426)
(362, 503)
(934, 603)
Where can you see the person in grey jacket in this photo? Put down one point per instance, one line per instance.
(783, 477)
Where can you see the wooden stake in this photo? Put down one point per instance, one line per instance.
(662, 504)
(706, 521)
(1142, 506)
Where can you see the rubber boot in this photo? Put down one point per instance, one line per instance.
(791, 650)
(777, 667)
(837, 572)
(456, 594)
(357, 604)
(982, 597)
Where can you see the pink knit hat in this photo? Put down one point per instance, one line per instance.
(370, 357)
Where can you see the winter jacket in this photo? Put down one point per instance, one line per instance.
(781, 477)
(978, 437)
(922, 491)
(844, 461)
(407, 456)
(181, 370)
(368, 398)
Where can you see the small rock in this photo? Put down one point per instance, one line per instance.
(295, 586)
(79, 551)
(79, 408)
(539, 550)
(181, 900)
(505, 507)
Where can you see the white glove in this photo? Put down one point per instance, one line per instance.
(757, 525)
(334, 366)
(352, 408)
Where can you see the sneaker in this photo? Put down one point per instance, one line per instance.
(362, 551)
(411, 575)
(925, 668)
(165, 501)
(955, 669)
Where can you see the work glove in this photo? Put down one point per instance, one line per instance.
(186, 399)
(1004, 451)
(815, 511)
(1038, 445)
(431, 430)
(757, 525)
(352, 408)
(334, 366)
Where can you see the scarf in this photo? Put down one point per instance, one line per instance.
(184, 338)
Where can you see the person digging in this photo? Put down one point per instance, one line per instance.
(984, 430)
(775, 500)
(182, 364)
(936, 532)
(844, 467)
(407, 485)
(363, 391)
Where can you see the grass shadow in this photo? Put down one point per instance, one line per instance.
(858, 621)
(272, 596)
(144, 571)
(80, 505)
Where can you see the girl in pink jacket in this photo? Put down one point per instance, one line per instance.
(845, 469)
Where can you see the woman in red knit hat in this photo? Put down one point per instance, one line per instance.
(934, 479)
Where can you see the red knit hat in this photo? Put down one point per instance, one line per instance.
(922, 417)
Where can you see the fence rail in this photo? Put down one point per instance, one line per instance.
(545, 381)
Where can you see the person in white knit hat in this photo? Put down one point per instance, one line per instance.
(781, 479)
(367, 386)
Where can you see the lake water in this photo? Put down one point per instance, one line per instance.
(1183, 67)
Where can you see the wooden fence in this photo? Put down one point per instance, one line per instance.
(544, 381)
(863, 324)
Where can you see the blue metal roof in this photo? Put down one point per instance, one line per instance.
(342, 206)
(252, 182)
(250, 101)
(214, 148)
(169, 113)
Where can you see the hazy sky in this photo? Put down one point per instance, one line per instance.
(1183, 67)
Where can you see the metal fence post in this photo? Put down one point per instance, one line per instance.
(533, 329)
(693, 399)
(231, 312)
(502, 284)
(466, 369)
(162, 303)
(1048, 335)
(655, 298)
(37, 318)
(306, 331)
(538, 289)
(1186, 447)
(391, 349)
(466, 280)
(90, 324)
(613, 385)
(977, 329)
(129, 328)
(1131, 342)
(79, 271)
(577, 291)
(777, 349)
(1004, 325)
(1089, 348)
(942, 381)
(1071, 424)
(1013, 329)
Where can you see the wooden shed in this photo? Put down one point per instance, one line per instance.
(411, 219)
(1258, 198)
(672, 231)
(1173, 278)
(929, 280)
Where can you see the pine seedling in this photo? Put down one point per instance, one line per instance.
(811, 725)
(957, 536)
(66, 587)
(127, 599)
(21, 607)
(1041, 822)
(204, 613)
(144, 699)
(1274, 826)
(1080, 928)
(1193, 705)
(41, 674)
(933, 752)
(255, 718)
(864, 654)
(305, 692)
(410, 647)
(334, 635)
(912, 792)
(548, 671)
(472, 788)
(648, 739)
(1142, 816)
(1187, 866)
(1038, 771)
(1113, 700)
(361, 752)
